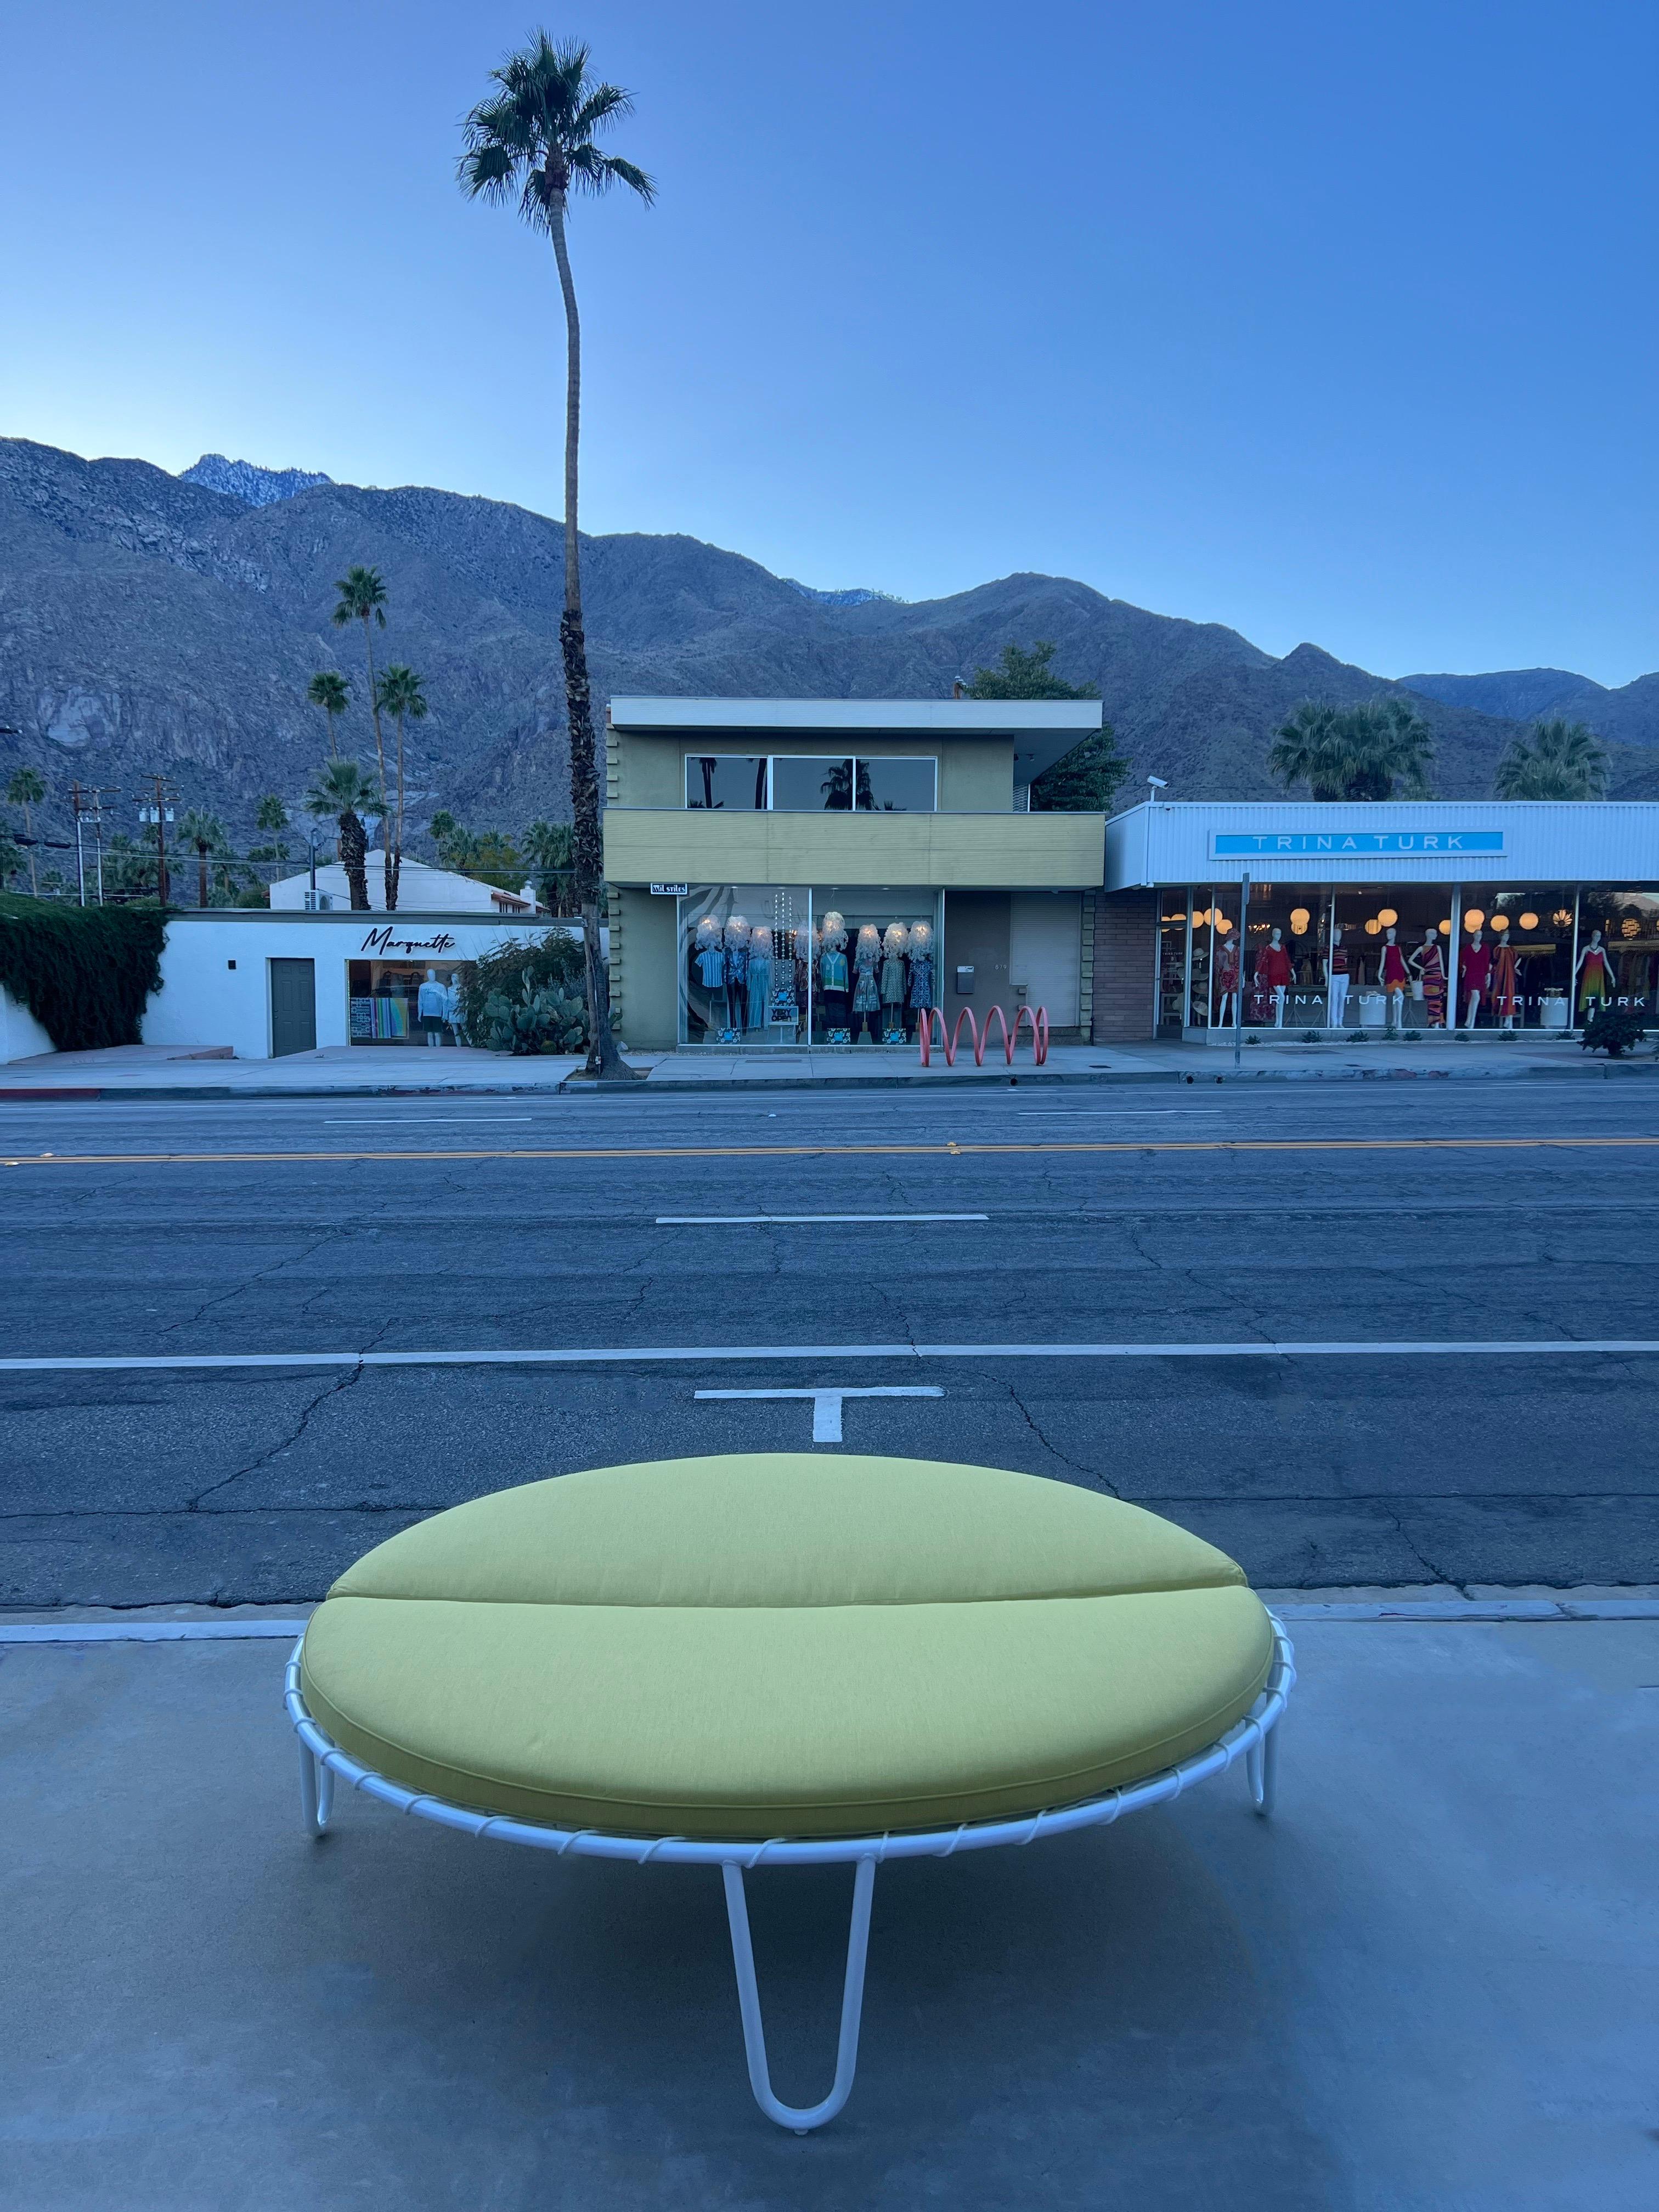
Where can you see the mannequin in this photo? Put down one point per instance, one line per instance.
(1593, 978)
(893, 948)
(805, 944)
(1476, 971)
(736, 978)
(1226, 979)
(760, 976)
(1504, 997)
(1394, 980)
(833, 980)
(1428, 967)
(1273, 974)
(866, 988)
(922, 977)
(431, 1005)
(1336, 971)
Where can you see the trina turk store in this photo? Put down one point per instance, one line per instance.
(1417, 917)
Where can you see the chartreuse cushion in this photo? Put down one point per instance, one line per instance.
(778, 1644)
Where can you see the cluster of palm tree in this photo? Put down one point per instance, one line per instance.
(1555, 759)
(545, 852)
(396, 692)
(530, 143)
(1376, 750)
(26, 788)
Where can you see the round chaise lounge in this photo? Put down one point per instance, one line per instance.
(782, 1658)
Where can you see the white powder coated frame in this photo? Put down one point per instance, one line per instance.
(1251, 1739)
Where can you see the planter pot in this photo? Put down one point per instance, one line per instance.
(1553, 1014)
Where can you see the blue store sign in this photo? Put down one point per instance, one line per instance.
(1356, 844)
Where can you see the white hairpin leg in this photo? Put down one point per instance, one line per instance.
(316, 1791)
(1261, 1765)
(802, 2117)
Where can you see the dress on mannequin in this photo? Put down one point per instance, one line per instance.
(919, 997)
(892, 982)
(1504, 999)
(1475, 972)
(1430, 965)
(760, 976)
(1594, 975)
(833, 981)
(1226, 977)
(1272, 975)
(1394, 980)
(866, 993)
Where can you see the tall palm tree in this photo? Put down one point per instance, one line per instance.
(329, 690)
(532, 140)
(402, 698)
(344, 791)
(362, 599)
(1367, 752)
(206, 832)
(26, 790)
(1555, 759)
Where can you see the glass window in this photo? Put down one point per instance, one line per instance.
(811, 783)
(876, 953)
(737, 780)
(745, 965)
(909, 786)
(1171, 962)
(402, 1002)
(1618, 951)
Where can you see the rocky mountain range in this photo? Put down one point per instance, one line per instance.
(154, 624)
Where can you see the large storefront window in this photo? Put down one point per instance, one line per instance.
(1400, 958)
(877, 971)
(403, 1002)
(770, 964)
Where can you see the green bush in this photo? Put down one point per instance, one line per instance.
(529, 997)
(1614, 1030)
(86, 973)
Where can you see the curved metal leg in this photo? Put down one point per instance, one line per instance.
(1261, 1765)
(316, 1791)
(802, 2117)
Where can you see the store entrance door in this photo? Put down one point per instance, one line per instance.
(293, 1006)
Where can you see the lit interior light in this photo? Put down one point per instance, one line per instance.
(1387, 916)
(1529, 922)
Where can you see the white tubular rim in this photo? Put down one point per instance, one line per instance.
(1243, 1737)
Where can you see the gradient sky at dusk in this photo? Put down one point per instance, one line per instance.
(1329, 322)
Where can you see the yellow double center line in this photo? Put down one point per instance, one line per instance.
(950, 1150)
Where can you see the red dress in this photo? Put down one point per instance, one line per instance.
(1393, 969)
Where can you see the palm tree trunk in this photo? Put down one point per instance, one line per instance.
(588, 856)
(395, 845)
(201, 875)
(34, 880)
(379, 755)
(353, 840)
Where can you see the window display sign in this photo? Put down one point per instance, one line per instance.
(1417, 844)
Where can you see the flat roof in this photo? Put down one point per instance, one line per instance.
(950, 718)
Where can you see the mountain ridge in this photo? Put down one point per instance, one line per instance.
(151, 622)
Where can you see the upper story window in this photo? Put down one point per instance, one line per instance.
(812, 783)
(734, 780)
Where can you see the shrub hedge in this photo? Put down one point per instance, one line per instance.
(85, 973)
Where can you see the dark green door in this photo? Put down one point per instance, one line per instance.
(293, 1006)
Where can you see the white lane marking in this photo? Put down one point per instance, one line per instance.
(145, 1632)
(733, 1220)
(424, 1120)
(826, 1404)
(729, 1354)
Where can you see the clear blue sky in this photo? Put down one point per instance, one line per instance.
(1332, 322)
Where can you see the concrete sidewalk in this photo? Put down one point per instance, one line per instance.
(344, 1071)
(1431, 1982)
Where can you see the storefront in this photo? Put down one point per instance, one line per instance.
(269, 983)
(1415, 919)
(828, 873)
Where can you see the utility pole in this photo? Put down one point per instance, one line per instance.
(159, 810)
(80, 855)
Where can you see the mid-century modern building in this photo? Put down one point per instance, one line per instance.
(1488, 916)
(795, 871)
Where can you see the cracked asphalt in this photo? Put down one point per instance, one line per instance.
(140, 1487)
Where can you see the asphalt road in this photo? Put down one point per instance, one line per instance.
(1418, 1213)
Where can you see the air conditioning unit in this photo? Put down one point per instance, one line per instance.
(319, 901)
